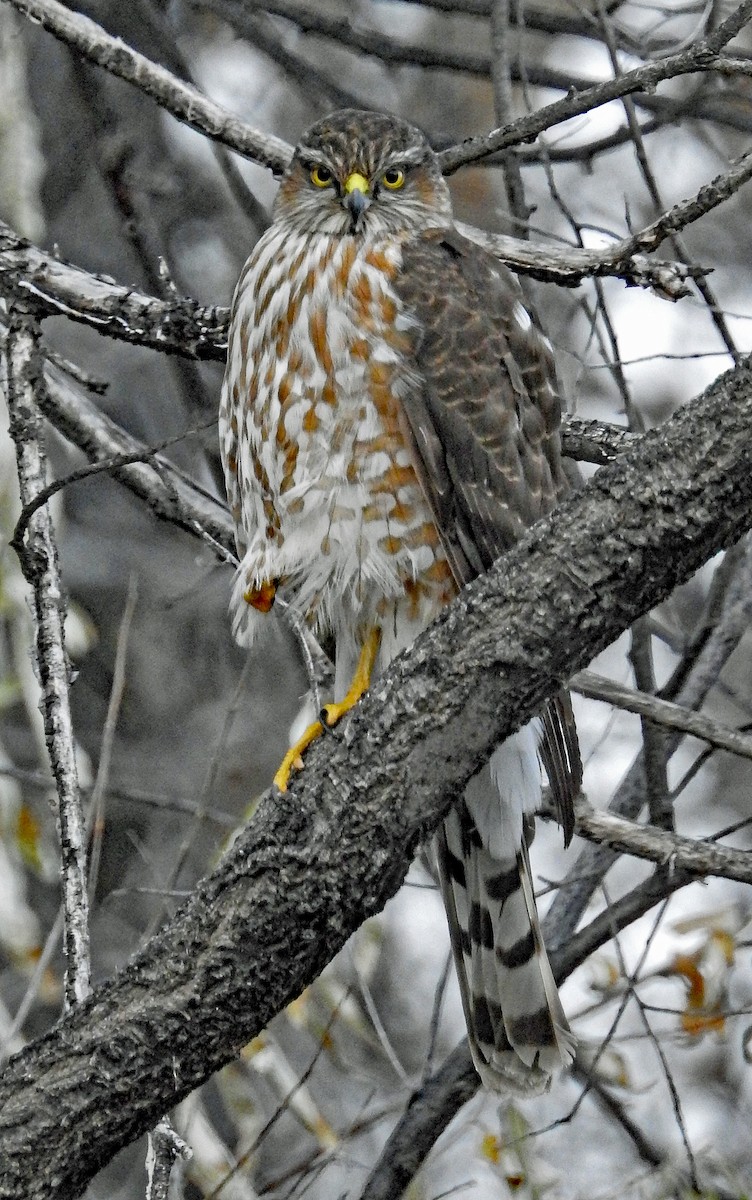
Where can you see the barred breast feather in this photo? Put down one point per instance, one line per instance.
(319, 477)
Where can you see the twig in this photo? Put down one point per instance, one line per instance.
(181, 502)
(180, 99)
(617, 1110)
(662, 712)
(38, 557)
(703, 56)
(578, 23)
(501, 79)
(686, 212)
(113, 464)
(321, 93)
(99, 791)
(283, 1106)
(34, 984)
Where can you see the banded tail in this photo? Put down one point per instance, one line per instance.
(517, 1030)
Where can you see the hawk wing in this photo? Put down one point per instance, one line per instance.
(484, 426)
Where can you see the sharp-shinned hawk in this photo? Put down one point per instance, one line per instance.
(389, 426)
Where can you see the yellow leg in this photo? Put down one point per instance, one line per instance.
(293, 760)
(361, 680)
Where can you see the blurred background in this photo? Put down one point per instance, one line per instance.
(91, 169)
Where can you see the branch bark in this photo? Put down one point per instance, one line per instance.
(37, 554)
(313, 863)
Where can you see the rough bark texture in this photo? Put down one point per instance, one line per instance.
(315, 862)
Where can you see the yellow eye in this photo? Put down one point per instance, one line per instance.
(393, 179)
(322, 177)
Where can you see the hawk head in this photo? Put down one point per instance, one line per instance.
(363, 173)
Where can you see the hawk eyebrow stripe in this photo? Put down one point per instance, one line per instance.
(311, 158)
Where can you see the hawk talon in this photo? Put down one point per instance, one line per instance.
(329, 728)
(331, 714)
(293, 760)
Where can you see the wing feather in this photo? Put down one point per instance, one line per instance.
(484, 429)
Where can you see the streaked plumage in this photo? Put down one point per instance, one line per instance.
(389, 426)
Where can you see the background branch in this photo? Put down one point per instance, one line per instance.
(37, 553)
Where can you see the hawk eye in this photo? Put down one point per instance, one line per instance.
(393, 179)
(321, 176)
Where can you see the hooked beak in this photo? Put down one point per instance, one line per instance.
(356, 199)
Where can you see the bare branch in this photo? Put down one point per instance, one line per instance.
(687, 211)
(440, 1098)
(59, 289)
(181, 99)
(663, 712)
(169, 495)
(315, 861)
(686, 855)
(181, 326)
(703, 56)
(39, 562)
(698, 671)
(569, 265)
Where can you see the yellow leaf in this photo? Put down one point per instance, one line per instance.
(490, 1148)
(28, 832)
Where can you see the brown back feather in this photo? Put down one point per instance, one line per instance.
(484, 428)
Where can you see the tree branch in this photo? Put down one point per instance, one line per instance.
(37, 554)
(314, 862)
(702, 56)
(181, 99)
(59, 289)
(662, 712)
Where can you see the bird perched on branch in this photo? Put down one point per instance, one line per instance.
(389, 426)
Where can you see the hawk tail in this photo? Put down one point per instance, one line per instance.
(517, 1030)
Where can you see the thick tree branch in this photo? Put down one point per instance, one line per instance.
(313, 863)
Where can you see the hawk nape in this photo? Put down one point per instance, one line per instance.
(389, 426)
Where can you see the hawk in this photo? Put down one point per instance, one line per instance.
(389, 426)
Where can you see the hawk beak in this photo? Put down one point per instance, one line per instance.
(356, 199)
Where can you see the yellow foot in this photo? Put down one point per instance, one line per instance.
(293, 760)
(361, 680)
